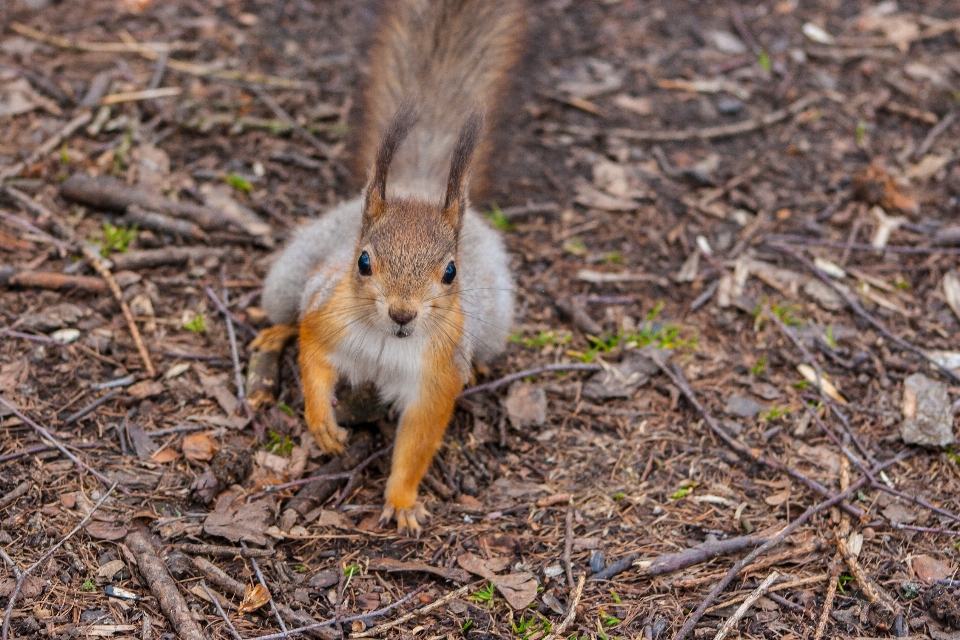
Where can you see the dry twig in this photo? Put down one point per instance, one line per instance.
(572, 605)
(741, 611)
(101, 268)
(48, 145)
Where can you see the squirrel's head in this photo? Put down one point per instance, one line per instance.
(406, 257)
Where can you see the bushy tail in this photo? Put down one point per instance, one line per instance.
(447, 58)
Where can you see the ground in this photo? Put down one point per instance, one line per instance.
(631, 220)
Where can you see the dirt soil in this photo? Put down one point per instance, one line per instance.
(816, 229)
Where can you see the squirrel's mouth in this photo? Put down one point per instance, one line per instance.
(402, 331)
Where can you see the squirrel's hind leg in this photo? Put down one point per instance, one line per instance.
(419, 435)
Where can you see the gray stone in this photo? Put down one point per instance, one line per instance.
(598, 561)
(743, 407)
(927, 413)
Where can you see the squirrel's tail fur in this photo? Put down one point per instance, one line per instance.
(448, 59)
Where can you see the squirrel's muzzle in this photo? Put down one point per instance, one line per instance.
(401, 315)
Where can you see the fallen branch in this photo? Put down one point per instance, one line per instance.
(263, 364)
(568, 545)
(40, 233)
(22, 576)
(223, 614)
(98, 264)
(44, 215)
(355, 473)
(317, 492)
(263, 583)
(722, 131)
(616, 568)
(572, 605)
(149, 258)
(48, 146)
(496, 384)
(832, 578)
(107, 397)
(671, 562)
(10, 277)
(110, 194)
(163, 586)
(137, 215)
(409, 616)
(18, 492)
(56, 443)
(741, 611)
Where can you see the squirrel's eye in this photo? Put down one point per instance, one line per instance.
(364, 264)
(449, 274)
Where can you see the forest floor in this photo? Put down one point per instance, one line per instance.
(768, 193)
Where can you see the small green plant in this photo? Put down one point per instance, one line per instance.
(901, 283)
(614, 257)
(620, 495)
(237, 181)
(522, 627)
(197, 325)
(286, 409)
(467, 626)
(64, 154)
(543, 339)
(861, 132)
(485, 594)
(575, 246)
(499, 220)
(682, 492)
(279, 444)
(830, 339)
(760, 367)
(116, 239)
(843, 581)
(88, 585)
(910, 590)
(763, 59)
(773, 413)
(954, 456)
(785, 313)
(609, 621)
(301, 567)
(351, 570)
(803, 384)
(615, 596)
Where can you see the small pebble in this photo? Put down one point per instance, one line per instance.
(729, 106)
(598, 561)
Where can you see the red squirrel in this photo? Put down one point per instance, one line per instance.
(406, 286)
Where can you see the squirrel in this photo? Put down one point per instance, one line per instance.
(406, 286)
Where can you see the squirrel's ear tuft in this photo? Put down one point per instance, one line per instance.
(455, 199)
(375, 200)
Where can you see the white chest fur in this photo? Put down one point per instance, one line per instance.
(394, 365)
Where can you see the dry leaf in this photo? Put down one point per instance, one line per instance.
(642, 106)
(526, 405)
(392, 565)
(930, 570)
(518, 589)
(329, 518)
(200, 446)
(110, 569)
(555, 499)
(777, 499)
(235, 520)
(484, 568)
(254, 597)
(873, 185)
(951, 291)
(810, 375)
(106, 530)
(32, 587)
(165, 455)
(145, 389)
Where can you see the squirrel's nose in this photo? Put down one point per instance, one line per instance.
(402, 316)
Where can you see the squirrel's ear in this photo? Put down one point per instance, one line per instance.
(374, 203)
(455, 199)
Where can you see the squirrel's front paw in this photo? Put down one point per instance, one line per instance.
(408, 520)
(330, 437)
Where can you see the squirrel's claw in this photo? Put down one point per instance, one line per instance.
(408, 520)
(330, 437)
